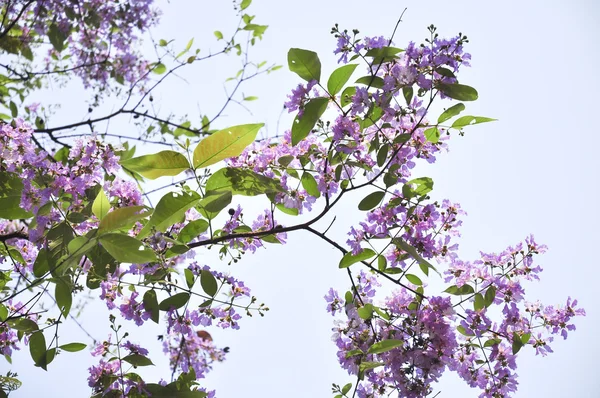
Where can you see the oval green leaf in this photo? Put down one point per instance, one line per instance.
(415, 280)
(170, 210)
(384, 346)
(451, 112)
(126, 249)
(123, 217)
(339, 77)
(208, 283)
(457, 91)
(371, 201)
(313, 110)
(350, 258)
(73, 347)
(101, 205)
(304, 63)
(151, 304)
(175, 302)
(224, 144)
(310, 184)
(164, 163)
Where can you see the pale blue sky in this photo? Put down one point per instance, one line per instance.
(534, 171)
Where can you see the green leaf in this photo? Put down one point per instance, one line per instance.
(126, 249)
(384, 346)
(525, 338)
(224, 144)
(432, 134)
(10, 197)
(310, 184)
(517, 343)
(137, 360)
(457, 91)
(13, 109)
(313, 110)
(123, 217)
(176, 301)
(415, 280)
(350, 258)
(490, 295)
(242, 182)
(41, 266)
(460, 291)
(76, 249)
(371, 201)
(381, 313)
(63, 296)
(208, 283)
(445, 72)
(382, 155)
(347, 94)
(164, 163)
(192, 230)
(189, 277)
(346, 388)
(257, 30)
(479, 302)
(407, 92)
(213, 202)
(383, 54)
(365, 312)
(470, 120)
(151, 304)
(37, 348)
(413, 253)
(101, 205)
(381, 263)
(24, 325)
(159, 68)
(73, 347)
(492, 342)
(417, 187)
(3, 312)
(461, 329)
(245, 4)
(218, 35)
(369, 365)
(451, 112)
(305, 64)
(371, 81)
(339, 78)
(170, 210)
(57, 37)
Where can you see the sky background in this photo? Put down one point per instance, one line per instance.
(534, 171)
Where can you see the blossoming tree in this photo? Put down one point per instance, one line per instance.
(76, 215)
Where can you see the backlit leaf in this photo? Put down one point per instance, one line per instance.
(350, 258)
(164, 163)
(101, 205)
(224, 144)
(339, 78)
(384, 346)
(305, 64)
(126, 249)
(174, 302)
(371, 201)
(313, 110)
(457, 91)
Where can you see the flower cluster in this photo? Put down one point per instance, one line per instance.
(426, 335)
(102, 37)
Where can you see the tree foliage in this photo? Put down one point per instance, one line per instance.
(76, 215)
